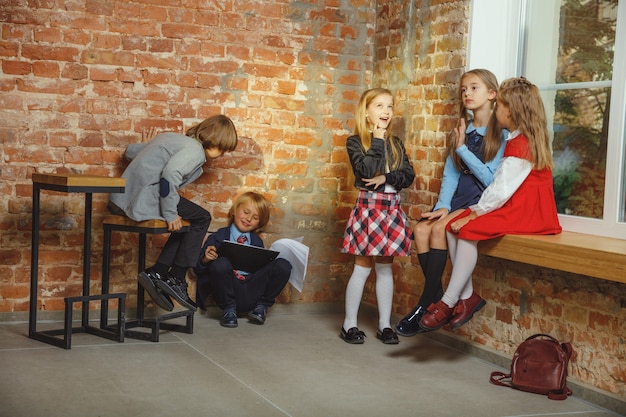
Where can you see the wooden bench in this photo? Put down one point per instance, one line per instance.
(594, 256)
(155, 324)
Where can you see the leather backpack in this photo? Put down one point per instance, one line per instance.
(539, 365)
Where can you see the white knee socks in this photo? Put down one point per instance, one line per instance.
(354, 292)
(462, 268)
(384, 294)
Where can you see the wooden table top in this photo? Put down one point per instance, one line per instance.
(78, 180)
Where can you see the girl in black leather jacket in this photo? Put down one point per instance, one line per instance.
(377, 229)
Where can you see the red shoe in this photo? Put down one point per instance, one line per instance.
(436, 316)
(465, 309)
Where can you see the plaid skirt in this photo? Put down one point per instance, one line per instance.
(377, 226)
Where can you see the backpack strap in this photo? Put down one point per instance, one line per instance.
(561, 394)
(547, 336)
(497, 377)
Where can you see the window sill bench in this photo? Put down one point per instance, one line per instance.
(594, 256)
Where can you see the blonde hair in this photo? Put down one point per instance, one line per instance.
(528, 115)
(215, 132)
(490, 143)
(260, 203)
(362, 130)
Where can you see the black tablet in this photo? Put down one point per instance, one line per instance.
(246, 257)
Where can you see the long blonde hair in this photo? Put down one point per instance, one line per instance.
(362, 130)
(528, 115)
(490, 143)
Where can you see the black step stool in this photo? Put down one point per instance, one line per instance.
(124, 224)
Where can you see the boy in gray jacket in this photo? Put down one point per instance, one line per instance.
(158, 169)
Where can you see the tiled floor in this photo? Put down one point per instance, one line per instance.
(294, 365)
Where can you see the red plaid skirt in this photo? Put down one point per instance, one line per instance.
(377, 226)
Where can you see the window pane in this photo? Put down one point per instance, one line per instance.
(569, 55)
(579, 149)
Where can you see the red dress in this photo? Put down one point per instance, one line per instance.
(530, 210)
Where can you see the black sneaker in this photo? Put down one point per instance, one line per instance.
(229, 318)
(257, 316)
(177, 290)
(149, 280)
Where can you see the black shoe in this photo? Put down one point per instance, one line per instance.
(257, 316)
(149, 280)
(177, 290)
(410, 324)
(354, 336)
(387, 336)
(229, 318)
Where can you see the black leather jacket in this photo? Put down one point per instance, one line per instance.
(371, 163)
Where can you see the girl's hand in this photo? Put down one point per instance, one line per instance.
(457, 225)
(459, 133)
(437, 214)
(175, 225)
(380, 132)
(210, 254)
(376, 181)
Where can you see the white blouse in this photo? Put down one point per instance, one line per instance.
(507, 179)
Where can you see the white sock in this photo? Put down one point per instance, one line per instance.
(354, 292)
(464, 264)
(468, 290)
(384, 294)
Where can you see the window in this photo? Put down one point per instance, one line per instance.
(575, 52)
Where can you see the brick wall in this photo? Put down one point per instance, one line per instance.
(81, 79)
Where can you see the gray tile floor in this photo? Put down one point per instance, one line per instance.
(294, 365)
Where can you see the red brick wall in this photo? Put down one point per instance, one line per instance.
(80, 80)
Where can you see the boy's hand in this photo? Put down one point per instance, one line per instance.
(210, 254)
(175, 225)
(148, 135)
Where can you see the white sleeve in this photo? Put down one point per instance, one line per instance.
(508, 178)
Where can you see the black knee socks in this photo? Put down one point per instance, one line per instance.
(433, 290)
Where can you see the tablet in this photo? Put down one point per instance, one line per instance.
(246, 257)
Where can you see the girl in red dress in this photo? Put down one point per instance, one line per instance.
(520, 200)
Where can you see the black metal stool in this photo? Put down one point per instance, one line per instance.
(124, 224)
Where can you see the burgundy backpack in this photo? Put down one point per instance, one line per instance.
(539, 365)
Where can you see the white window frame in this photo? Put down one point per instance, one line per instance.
(496, 39)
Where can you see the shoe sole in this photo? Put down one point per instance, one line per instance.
(474, 311)
(229, 325)
(153, 292)
(353, 342)
(430, 329)
(404, 334)
(387, 342)
(169, 291)
(256, 319)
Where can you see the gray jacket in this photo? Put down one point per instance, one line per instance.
(158, 169)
